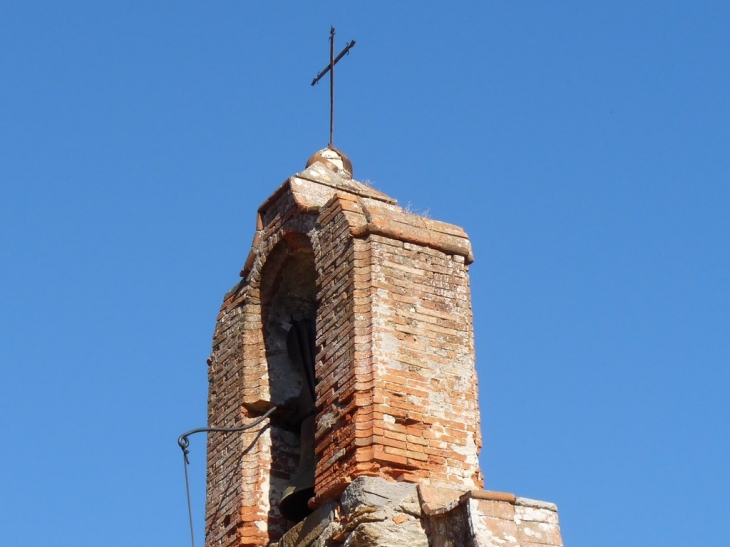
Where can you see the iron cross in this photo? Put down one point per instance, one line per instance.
(331, 69)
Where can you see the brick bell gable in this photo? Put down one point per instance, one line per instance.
(396, 392)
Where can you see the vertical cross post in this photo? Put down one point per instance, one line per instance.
(332, 85)
(331, 69)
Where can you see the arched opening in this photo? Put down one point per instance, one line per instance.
(289, 315)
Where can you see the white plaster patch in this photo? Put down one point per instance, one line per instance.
(327, 419)
(534, 514)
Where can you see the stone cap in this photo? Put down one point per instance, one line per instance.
(320, 173)
(439, 501)
(333, 159)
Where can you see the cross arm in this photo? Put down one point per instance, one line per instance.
(329, 66)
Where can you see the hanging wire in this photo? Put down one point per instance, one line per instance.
(184, 443)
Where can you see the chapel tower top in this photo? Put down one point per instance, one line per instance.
(345, 359)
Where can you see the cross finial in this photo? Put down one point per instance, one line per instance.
(331, 69)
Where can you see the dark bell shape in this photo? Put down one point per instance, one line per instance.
(293, 505)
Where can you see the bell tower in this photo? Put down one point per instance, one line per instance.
(352, 325)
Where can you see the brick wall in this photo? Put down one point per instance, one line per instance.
(396, 392)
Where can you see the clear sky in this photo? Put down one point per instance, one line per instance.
(582, 145)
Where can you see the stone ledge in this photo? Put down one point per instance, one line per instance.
(527, 502)
(439, 501)
(489, 495)
(373, 511)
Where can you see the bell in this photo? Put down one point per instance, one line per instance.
(293, 505)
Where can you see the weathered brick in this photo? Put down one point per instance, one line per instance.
(396, 353)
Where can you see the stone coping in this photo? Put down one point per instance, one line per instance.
(440, 501)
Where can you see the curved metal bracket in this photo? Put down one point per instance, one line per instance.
(184, 443)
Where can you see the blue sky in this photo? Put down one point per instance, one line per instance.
(583, 146)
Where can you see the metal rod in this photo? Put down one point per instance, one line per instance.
(332, 85)
(187, 491)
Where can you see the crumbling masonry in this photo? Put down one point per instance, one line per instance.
(377, 301)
